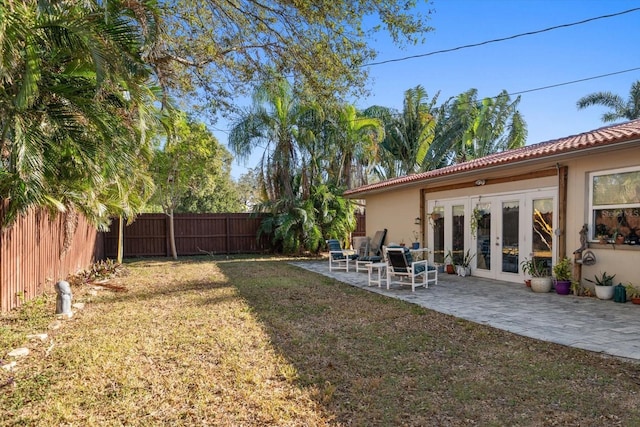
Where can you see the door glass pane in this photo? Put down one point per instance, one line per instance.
(510, 236)
(457, 228)
(482, 218)
(542, 240)
(437, 221)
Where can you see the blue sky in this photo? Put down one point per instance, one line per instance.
(562, 55)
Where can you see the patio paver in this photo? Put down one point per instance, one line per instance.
(587, 323)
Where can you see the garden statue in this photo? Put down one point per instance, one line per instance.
(63, 300)
(583, 239)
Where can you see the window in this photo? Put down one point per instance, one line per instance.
(614, 204)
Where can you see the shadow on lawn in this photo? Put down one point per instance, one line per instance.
(374, 360)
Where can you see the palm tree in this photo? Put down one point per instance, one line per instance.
(271, 125)
(468, 129)
(387, 164)
(353, 141)
(408, 134)
(629, 110)
(70, 116)
(304, 223)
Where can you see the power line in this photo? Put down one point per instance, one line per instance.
(600, 76)
(511, 38)
(551, 86)
(574, 81)
(467, 46)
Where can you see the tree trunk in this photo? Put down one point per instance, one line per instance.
(172, 236)
(120, 239)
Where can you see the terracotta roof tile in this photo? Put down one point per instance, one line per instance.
(601, 137)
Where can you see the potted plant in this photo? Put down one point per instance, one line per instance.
(618, 237)
(540, 279)
(603, 285)
(562, 274)
(416, 240)
(433, 218)
(633, 293)
(450, 265)
(464, 268)
(476, 217)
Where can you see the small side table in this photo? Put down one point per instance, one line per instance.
(420, 253)
(378, 274)
(361, 265)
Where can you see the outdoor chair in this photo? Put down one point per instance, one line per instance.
(339, 258)
(373, 251)
(404, 268)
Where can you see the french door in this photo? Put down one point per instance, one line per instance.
(499, 231)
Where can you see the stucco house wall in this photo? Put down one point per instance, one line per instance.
(622, 260)
(395, 204)
(396, 211)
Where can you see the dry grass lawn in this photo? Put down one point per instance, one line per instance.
(244, 342)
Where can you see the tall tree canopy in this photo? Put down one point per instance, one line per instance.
(425, 136)
(191, 170)
(77, 78)
(619, 109)
(218, 47)
(352, 143)
(309, 155)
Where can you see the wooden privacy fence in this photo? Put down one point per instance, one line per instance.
(215, 233)
(34, 254)
(223, 233)
(361, 226)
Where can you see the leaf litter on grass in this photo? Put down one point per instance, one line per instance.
(255, 341)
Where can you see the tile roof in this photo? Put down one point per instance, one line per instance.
(601, 137)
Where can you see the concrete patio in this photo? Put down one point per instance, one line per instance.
(587, 323)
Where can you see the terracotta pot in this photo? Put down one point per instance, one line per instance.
(635, 300)
(450, 269)
(527, 282)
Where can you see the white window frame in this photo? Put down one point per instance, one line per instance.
(592, 208)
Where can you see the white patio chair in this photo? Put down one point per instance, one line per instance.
(409, 272)
(339, 258)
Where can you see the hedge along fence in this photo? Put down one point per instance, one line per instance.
(34, 253)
